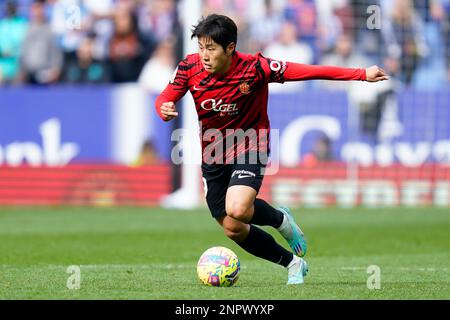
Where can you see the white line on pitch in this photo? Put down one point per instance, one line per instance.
(192, 265)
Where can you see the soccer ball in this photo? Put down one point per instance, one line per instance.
(218, 267)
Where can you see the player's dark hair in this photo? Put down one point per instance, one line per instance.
(219, 28)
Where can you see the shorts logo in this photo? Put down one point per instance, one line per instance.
(244, 88)
(242, 174)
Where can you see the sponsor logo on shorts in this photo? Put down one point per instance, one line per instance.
(242, 174)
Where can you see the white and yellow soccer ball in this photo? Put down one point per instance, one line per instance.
(218, 267)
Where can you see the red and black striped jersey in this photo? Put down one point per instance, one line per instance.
(234, 104)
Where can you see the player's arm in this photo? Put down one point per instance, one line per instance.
(297, 72)
(166, 102)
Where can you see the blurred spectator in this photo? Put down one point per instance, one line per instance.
(12, 32)
(429, 10)
(404, 38)
(287, 48)
(436, 15)
(159, 68)
(431, 72)
(446, 29)
(41, 58)
(231, 8)
(321, 152)
(303, 14)
(413, 43)
(99, 21)
(329, 24)
(370, 100)
(343, 55)
(344, 13)
(157, 19)
(85, 68)
(22, 7)
(367, 39)
(67, 19)
(123, 5)
(128, 49)
(236, 10)
(148, 155)
(265, 29)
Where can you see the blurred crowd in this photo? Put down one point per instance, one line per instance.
(115, 41)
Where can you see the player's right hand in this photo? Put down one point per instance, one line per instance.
(168, 111)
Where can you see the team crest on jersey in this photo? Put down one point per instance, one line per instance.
(244, 88)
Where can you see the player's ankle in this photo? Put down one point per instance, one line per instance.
(285, 226)
(294, 260)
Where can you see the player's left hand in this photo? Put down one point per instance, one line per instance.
(375, 74)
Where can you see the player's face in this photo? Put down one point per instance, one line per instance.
(214, 58)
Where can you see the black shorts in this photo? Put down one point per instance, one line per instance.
(217, 178)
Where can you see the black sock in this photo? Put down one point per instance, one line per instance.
(261, 244)
(266, 215)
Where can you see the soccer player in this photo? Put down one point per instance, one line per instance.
(230, 90)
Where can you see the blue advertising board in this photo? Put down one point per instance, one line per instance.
(55, 125)
(59, 125)
(413, 129)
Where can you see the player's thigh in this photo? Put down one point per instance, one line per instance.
(245, 182)
(215, 182)
(239, 201)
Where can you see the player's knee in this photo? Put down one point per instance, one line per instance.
(239, 211)
(235, 233)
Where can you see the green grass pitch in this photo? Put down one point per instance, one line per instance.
(141, 253)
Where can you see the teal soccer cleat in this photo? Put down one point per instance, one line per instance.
(292, 233)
